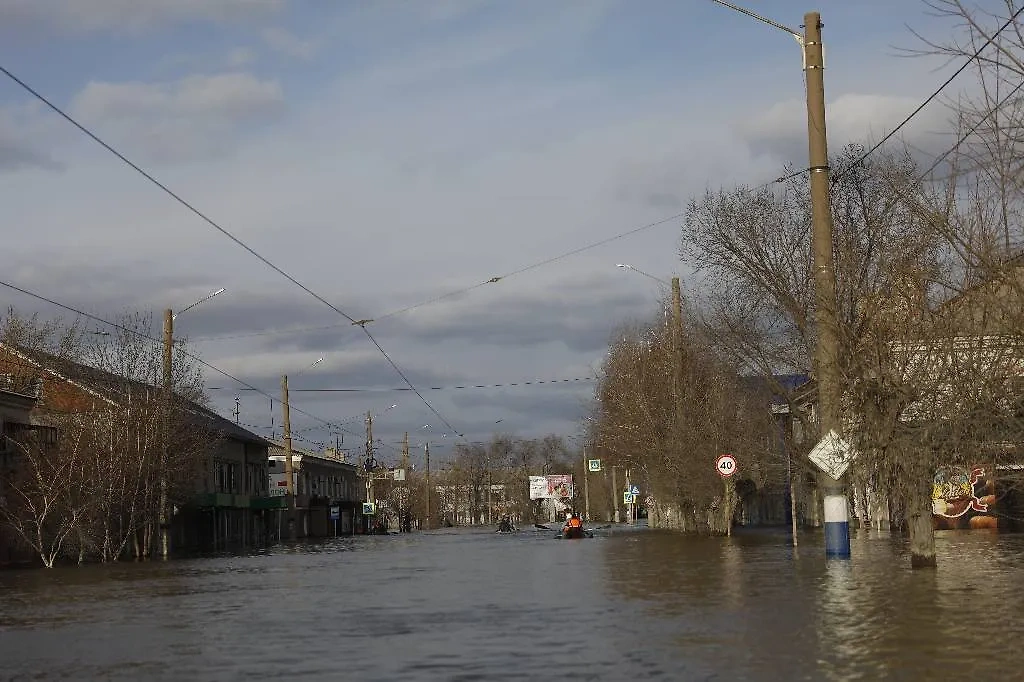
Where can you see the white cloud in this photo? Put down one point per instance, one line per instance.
(289, 44)
(194, 117)
(20, 149)
(240, 56)
(851, 117)
(423, 164)
(130, 15)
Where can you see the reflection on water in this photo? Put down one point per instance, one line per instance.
(474, 605)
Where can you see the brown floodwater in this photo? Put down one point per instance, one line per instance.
(473, 605)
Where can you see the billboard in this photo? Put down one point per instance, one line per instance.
(279, 484)
(555, 487)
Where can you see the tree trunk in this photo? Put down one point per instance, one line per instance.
(919, 522)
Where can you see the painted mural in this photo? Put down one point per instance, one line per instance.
(963, 498)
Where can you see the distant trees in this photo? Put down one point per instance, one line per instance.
(460, 483)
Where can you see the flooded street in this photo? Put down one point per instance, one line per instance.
(469, 604)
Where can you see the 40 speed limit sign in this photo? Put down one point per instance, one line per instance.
(726, 465)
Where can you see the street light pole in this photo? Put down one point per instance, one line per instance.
(286, 419)
(426, 455)
(837, 527)
(586, 486)
(162, 520)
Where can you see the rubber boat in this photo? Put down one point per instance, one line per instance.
(575, 534)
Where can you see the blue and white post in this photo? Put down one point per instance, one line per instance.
(837, 527)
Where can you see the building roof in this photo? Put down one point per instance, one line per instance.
(116, 389)
(277, 450)
(787, 382)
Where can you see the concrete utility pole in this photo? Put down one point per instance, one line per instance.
(426, 455)
(162, 520)
(370, 462)
(615, 494)
(405, 476)
(586, 486)
(487, 463)
(286, 419)
(837, 527)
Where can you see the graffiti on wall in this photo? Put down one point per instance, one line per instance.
(963, 497)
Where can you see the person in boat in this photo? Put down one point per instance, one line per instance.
(573, 527)
(505, 525)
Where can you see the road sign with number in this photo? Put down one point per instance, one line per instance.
(726, 465)
(594, 464)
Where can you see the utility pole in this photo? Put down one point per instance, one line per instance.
(488, 464)
(677, 338)
(615, 494)
(426, 455)
(586, 486)
(837, 527)
(405, 475)
(286, 418)
(370, 463)
(162, 520)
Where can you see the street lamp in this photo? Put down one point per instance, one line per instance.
(202, 300)
(626, 266)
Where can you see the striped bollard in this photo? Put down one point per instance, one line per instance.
(837, 527)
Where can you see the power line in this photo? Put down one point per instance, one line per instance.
(973, 129)
(492, 280)
(209, 221)
(425, 388)
(935, 94)
(147, 337)
(457, 292)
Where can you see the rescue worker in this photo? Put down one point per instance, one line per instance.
(573, 527)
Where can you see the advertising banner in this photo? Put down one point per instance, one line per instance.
(963, 498)
(554, 487)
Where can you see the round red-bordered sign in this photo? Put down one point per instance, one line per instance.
(726, 465)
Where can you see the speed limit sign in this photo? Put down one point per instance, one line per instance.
(726, 465)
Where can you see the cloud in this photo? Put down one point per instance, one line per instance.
(22, 145)
(781, 131)
(119, 16)
(286, 43)
(426, 147)
(190, 118)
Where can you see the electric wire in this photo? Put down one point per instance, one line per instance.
(424, 388)
(492, 280)
(154, 340)
(212, 223)
(931, 97)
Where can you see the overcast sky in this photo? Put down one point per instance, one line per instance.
(388, 152)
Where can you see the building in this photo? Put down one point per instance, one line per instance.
(16, 405)
(782, 488)
(321, 481)
(954, 371)
(224, 501)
